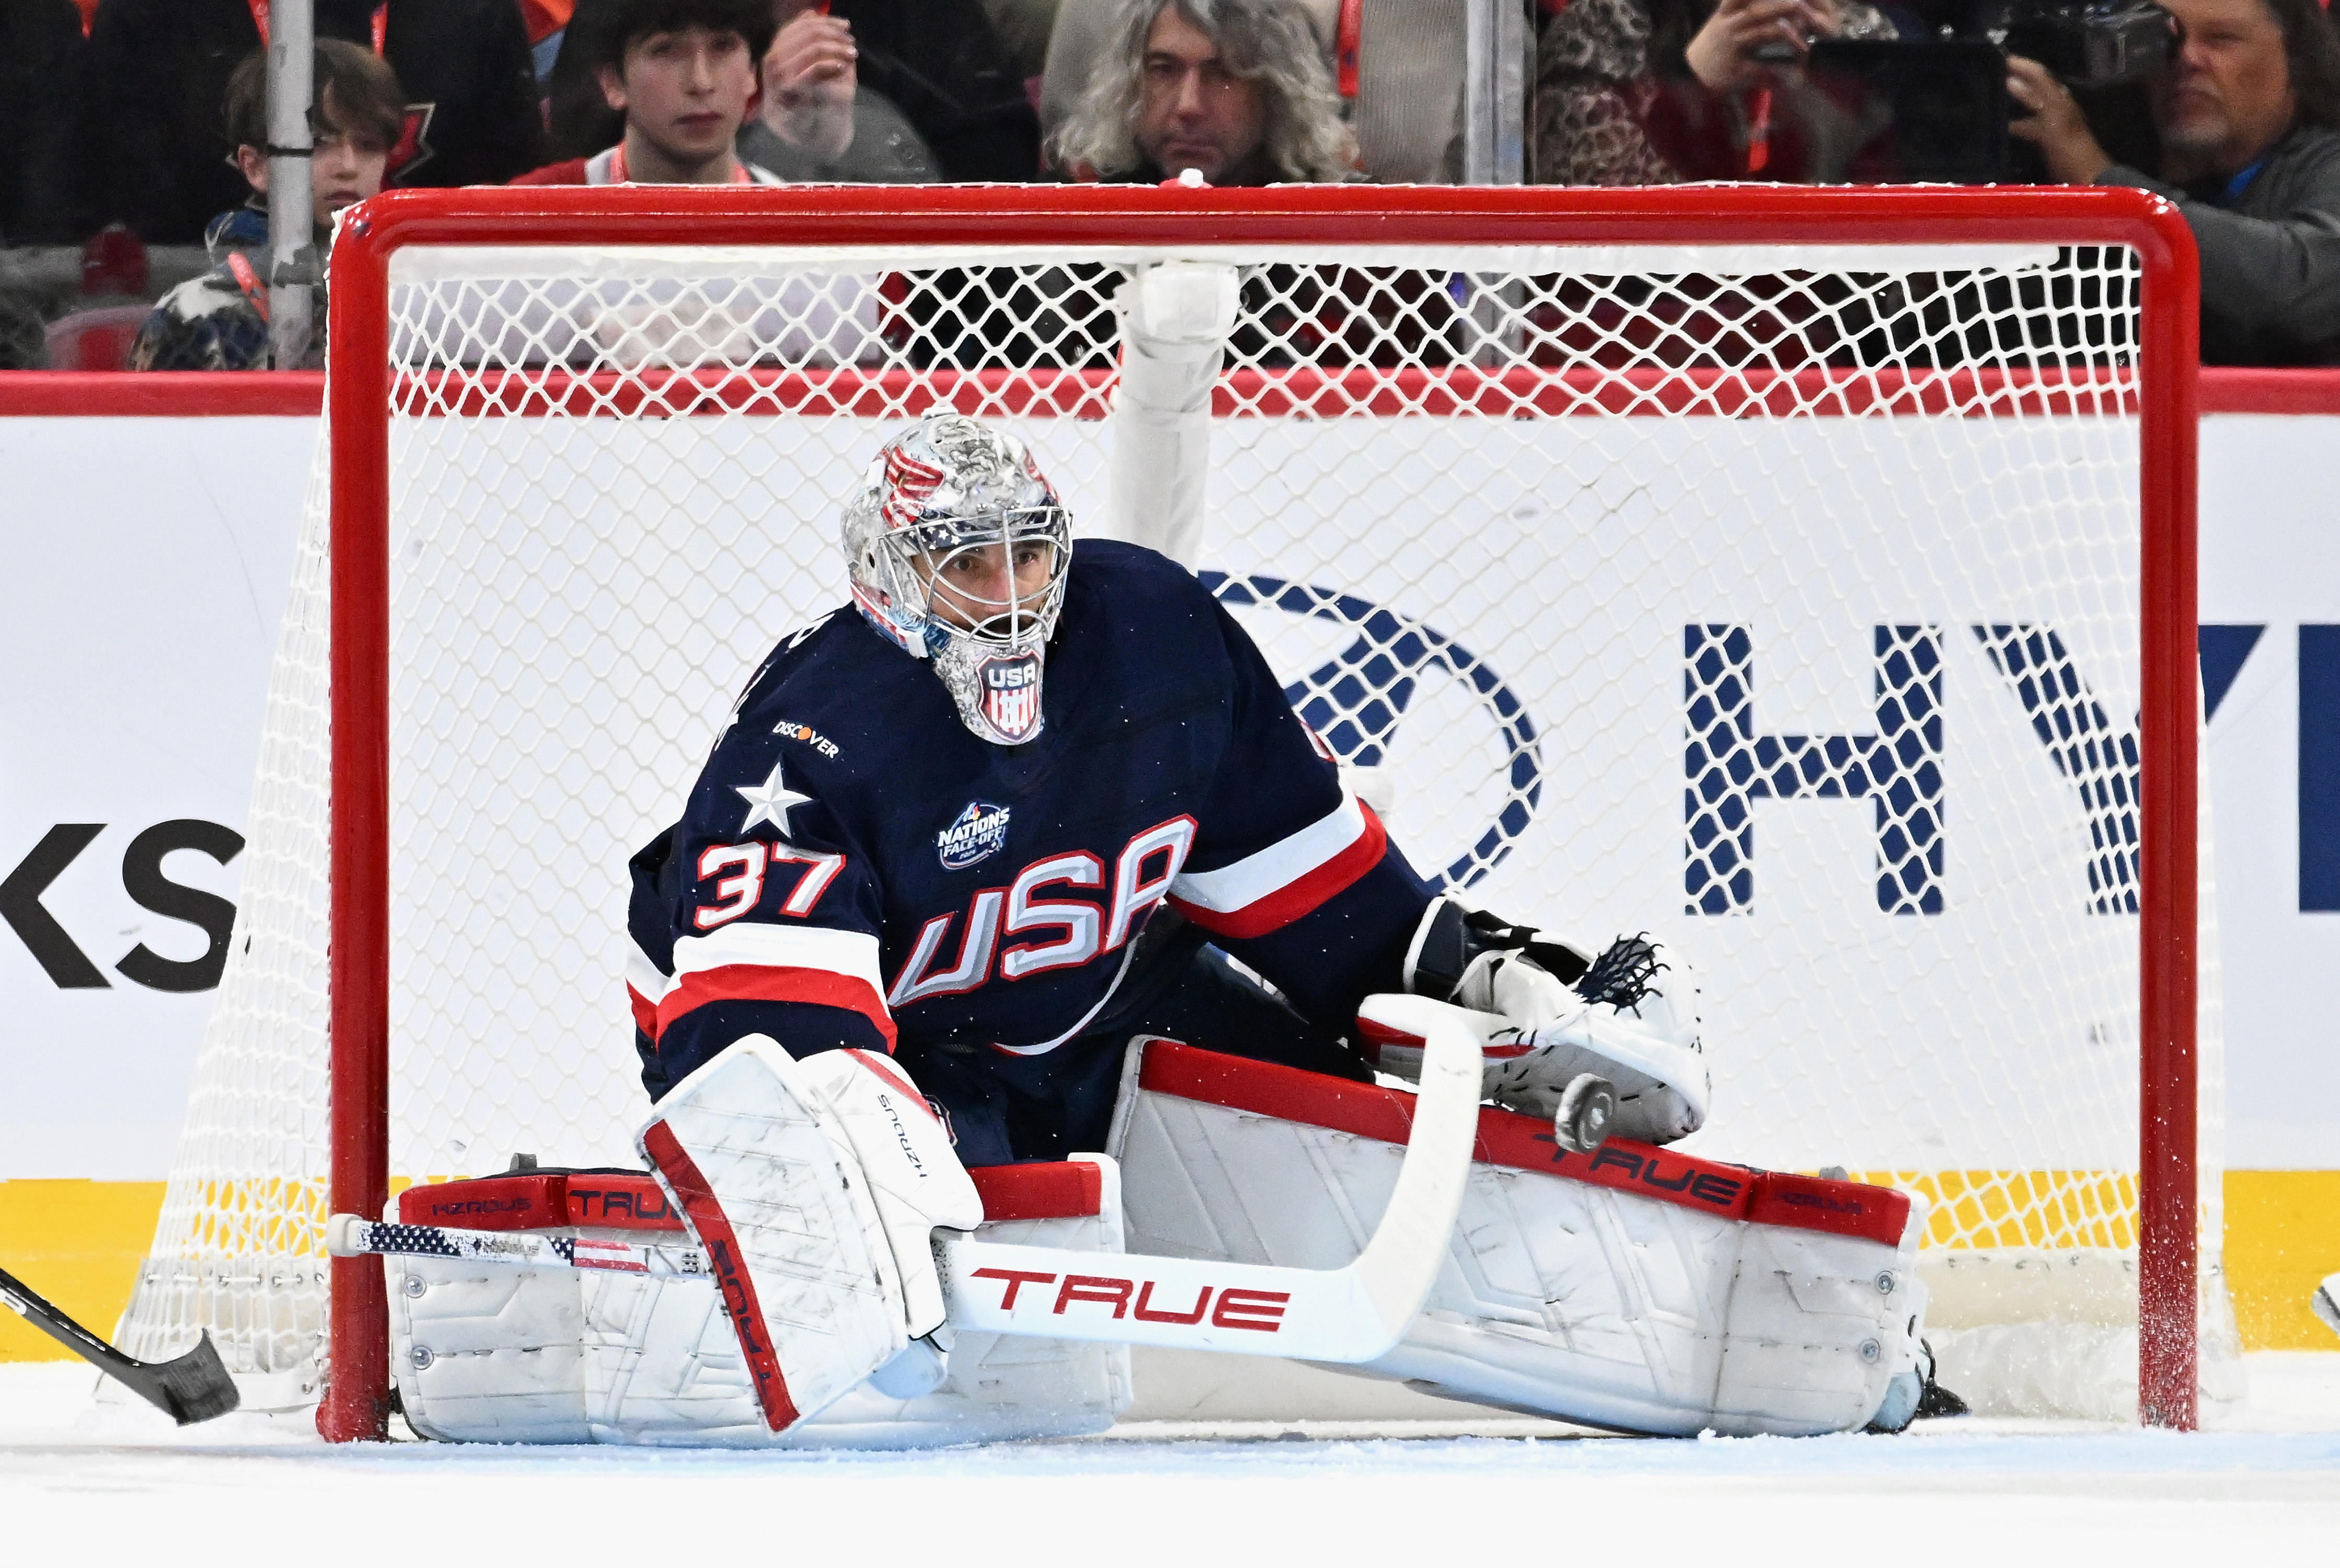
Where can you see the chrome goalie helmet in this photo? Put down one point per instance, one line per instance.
(957, 549)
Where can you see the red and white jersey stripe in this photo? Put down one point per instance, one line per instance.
(1269, 890)
(791, 963)
(646, 986)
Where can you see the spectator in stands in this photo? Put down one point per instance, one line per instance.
(1404, 96)
(678, 75)
(816, 122)
(2249, 119)
(934, 94)
(1236, 90)
(219, 321)
(157, 71)
(41, 183)
(545, 19)
(1658, 91)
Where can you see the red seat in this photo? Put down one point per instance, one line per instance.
(96, 340)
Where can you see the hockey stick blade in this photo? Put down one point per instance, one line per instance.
(187, 1388)
(1353, 1314)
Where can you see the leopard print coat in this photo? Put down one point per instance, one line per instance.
(1595, 90)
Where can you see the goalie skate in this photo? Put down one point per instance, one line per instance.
(1631, 1018)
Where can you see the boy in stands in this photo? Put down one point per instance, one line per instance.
(683, 73)
(219, 322)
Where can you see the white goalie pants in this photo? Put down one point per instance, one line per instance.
(1638, 1289)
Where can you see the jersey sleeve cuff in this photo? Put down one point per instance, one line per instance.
(1289, 879)
(809, 966)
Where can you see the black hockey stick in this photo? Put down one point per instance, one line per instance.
(189, 1388)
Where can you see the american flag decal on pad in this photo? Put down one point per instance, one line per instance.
(351, 1236)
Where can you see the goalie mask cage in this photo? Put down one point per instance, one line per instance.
(1804, 576)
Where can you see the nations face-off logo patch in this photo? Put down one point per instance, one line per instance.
(1011, 695)
(979, 832)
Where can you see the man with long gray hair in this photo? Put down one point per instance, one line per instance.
(1239, 91)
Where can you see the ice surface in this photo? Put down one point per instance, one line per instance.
(82, 1483)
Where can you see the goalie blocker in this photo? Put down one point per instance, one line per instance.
(1630, 1288)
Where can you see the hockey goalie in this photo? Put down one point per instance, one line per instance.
(1022, 864)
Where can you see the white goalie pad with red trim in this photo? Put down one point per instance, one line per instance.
(1636, 1288)
(772, 1186)
(486, 1352)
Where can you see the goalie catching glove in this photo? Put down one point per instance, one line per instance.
(1606, 1045)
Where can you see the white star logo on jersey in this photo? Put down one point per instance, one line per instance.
(769, 802)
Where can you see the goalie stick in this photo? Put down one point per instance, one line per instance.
(350, 1236)
(1353, 1314)
(187, 1388)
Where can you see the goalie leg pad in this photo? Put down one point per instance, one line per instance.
(485, 1351)
(1635, 1289)
(814, 1187)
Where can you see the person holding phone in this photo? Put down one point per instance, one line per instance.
(1658, 91)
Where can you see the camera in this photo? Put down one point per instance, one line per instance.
(1932, 110)
(2093, 42)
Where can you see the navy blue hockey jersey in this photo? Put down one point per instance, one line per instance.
(853, 868)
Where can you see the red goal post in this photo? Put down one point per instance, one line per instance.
(2157, 380)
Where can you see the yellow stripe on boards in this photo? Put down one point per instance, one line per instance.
(2283, 1238)
(78, 1242)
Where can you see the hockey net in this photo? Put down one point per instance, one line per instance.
(1774, 571)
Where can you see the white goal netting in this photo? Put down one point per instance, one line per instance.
(1784, 603)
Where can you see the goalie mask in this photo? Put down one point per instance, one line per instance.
(957, 551)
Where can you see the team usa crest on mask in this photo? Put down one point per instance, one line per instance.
(1011, 696)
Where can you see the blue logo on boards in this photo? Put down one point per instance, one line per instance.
(979, 833)
(1358, 700)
